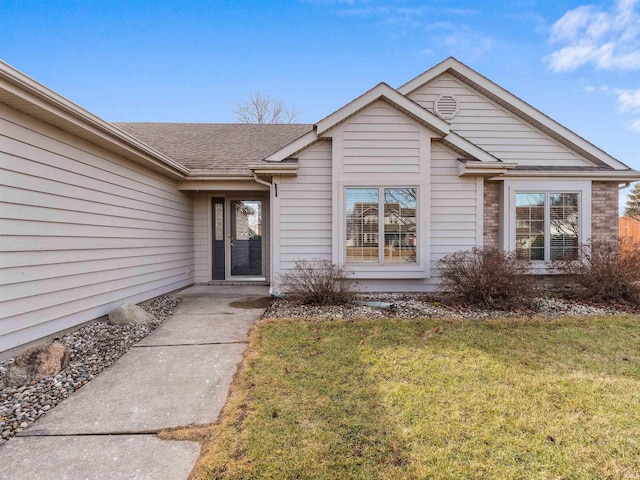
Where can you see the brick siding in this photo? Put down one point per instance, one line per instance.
(491, 229)
(604, 210)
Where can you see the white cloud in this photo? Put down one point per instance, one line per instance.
(442, 28)
(420, 14)
(607, 39)
(463, 41)
(629, 100)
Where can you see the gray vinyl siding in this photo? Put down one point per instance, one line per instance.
(202, 255)
(454, 221)
(381, 140)
(495, 129)
(305, 208)
(82, 230)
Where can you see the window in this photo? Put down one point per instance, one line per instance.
(547, 225)
(364, 228)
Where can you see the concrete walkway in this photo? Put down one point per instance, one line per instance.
(178, 375)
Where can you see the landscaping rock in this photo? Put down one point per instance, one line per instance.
(93, 348)
(38, 362)
(409, 305)
(129, 313)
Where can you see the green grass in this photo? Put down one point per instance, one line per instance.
(422, 399)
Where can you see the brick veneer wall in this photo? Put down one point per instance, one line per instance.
(491, 229)
(604, 210)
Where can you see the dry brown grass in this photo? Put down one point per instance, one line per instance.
(395, 399)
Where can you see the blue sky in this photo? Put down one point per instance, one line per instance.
(190, 61)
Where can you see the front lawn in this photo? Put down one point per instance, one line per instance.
(441, 399)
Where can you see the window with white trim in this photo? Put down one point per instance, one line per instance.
(397, 227)
(547, 225)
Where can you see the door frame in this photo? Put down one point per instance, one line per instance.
(228, 198)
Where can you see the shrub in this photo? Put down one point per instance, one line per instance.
(486, 277)
(606, 270)
(319, 282)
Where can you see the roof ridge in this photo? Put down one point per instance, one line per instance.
(214, 123)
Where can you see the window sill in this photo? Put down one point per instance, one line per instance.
(542, 267)
(387, 271)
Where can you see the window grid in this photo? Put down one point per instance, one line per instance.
(398, 228)
(547, 225)
(563, 229)
(530, 237)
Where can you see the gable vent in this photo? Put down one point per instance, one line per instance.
(446, 106)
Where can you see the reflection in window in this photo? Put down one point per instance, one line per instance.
(362, 225)
(547, 225)
(563, 225)
(530, 225)
(247, 219)
(398, 228)
(399, 225)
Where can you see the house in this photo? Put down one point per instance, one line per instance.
(94, 214)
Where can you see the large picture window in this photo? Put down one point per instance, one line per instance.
(381, 225)
(547, 225)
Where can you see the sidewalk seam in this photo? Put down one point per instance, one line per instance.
(40, 435)
(191, 344)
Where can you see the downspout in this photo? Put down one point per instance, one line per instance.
(263, 182)
(270, 185)
(624, 185)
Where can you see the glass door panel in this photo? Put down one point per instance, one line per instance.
(218, 242)
(246, 237)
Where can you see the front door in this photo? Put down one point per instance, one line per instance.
(237, 238)
(246, 238)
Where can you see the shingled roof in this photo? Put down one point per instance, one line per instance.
(215, 147)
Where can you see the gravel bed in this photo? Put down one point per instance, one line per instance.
(92, 349)
(425, 306)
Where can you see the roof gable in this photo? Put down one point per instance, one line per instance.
(387, 94)
(383, 92)
(516, 106)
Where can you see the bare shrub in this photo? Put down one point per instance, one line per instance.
(319, 282)
(607, 270)
(486, 277)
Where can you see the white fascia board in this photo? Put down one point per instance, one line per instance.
(622, 176)
(22, 92)
(391, 96)
(222, 175)
(427, 76)
(484, 168)
(281, 169)
(462, 145)
(274, 166)
(221, 185)
(294, 147)
(514, 104)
